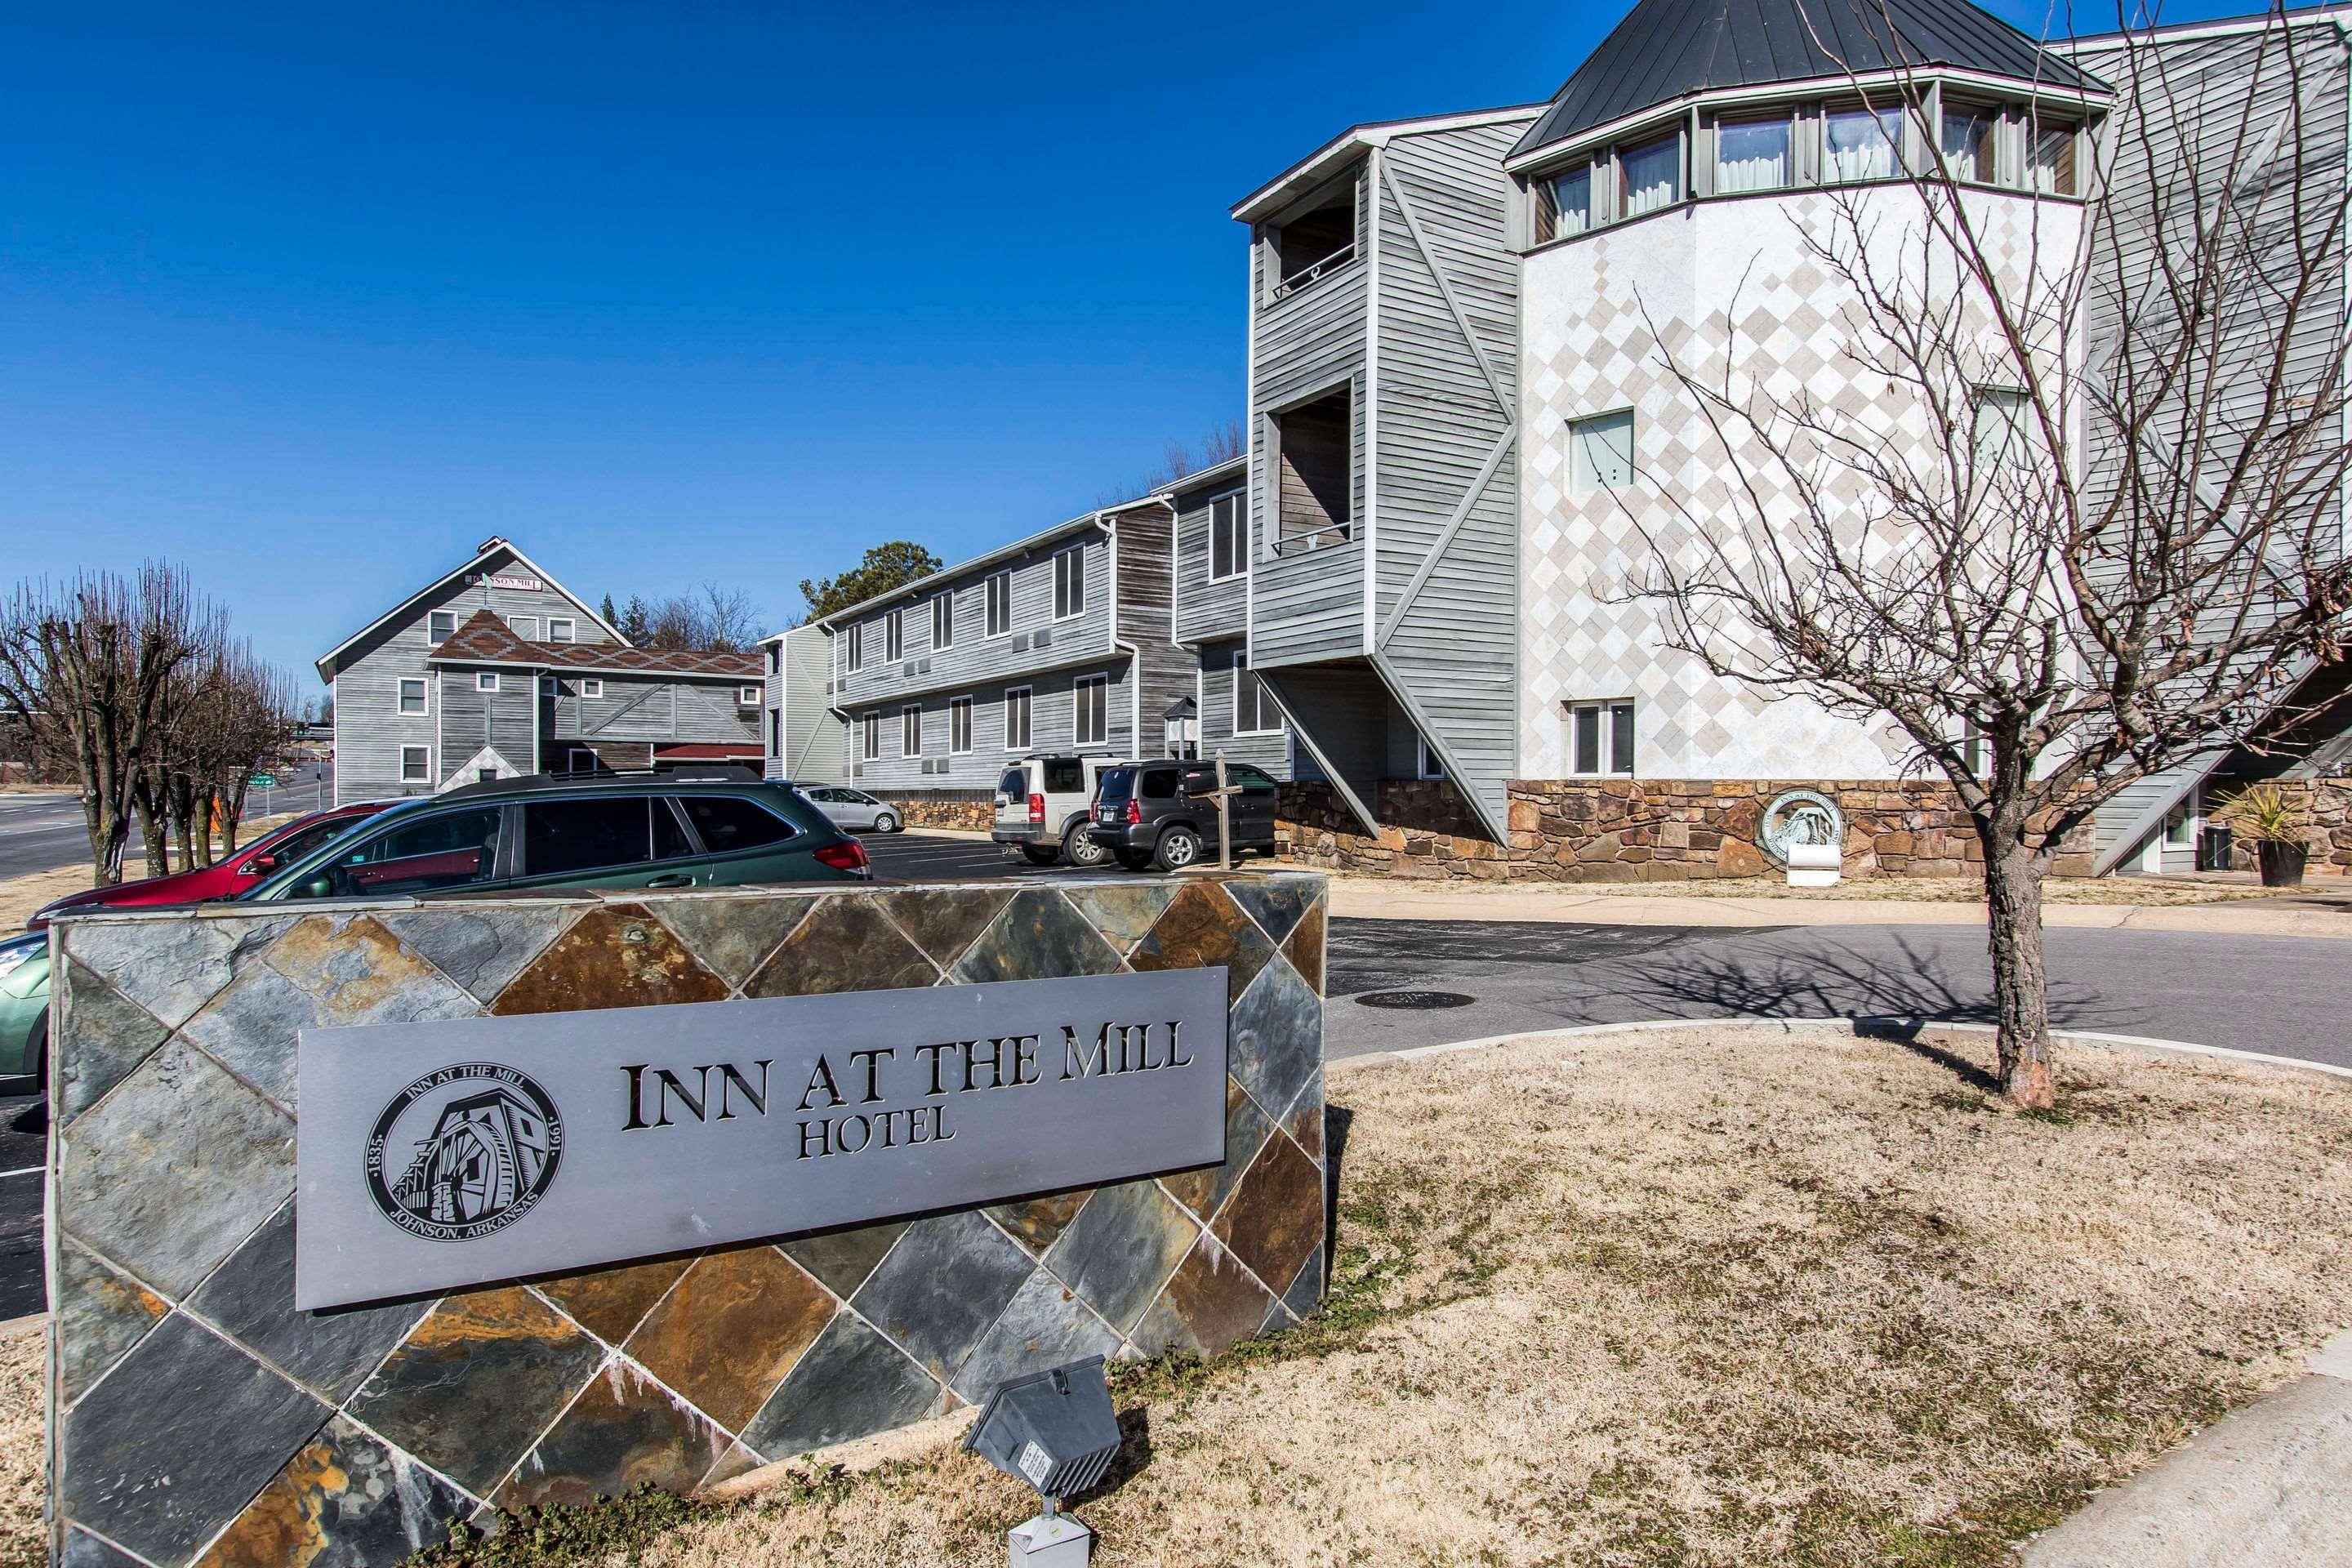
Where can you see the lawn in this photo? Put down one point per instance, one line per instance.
(1692, 1298)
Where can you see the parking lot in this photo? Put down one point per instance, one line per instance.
(916, 855)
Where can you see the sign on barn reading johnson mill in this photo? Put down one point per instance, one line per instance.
(440, 1154)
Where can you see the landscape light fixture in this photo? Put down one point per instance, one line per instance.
(1055, 1431)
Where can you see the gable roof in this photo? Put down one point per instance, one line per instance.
(490, 550)
(486, 640)
(1668, 49)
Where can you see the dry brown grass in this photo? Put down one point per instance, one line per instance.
(2138, 892)
(1707, 1299)
(20, 896)
(22, 1540)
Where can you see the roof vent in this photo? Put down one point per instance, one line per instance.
(492, 543)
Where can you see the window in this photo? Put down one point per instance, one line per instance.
(524, 626)
(1564, 203)
(1090, 697)
(943, 621)
(560, 628)
(1313, 472)
(2051, 163)
(411, 694)
(1064, 775)
(1016, 719)
(1432, 766)
(1255, 711)
(446, 849)
(869, 737)
(910, 731)
(1601, 737)
(1650, 176)
(1014, 784)
(565, 838)
(894, 636)
(550, 686)
(1227, 555)
(441, 625)
(1751, 155)
(2003, 437)
(1859, 143)
(591, 688)
(1601, 453)
(486, 681)
(2181, 826)
(1251, 780)
(857, 647)
(959, 726)
(416, 764)
(1972, 746)
(1970, 144)
(1000, 604)
(1069, 585)
(747, 697)
(727, 823)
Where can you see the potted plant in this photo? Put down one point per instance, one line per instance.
(2267, 815)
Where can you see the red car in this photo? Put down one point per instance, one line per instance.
(224, 879)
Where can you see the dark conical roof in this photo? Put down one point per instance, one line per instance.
(1666, 49)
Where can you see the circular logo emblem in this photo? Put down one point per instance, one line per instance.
(1799, 816)
(462, 1151)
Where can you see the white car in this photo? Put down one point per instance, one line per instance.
(1042, 804)
(846, 807)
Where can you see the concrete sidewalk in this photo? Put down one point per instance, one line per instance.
(2264, 1487)
(2313, 912)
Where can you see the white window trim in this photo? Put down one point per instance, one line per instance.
(424, 684)
(549, 686)
(1006, 578)
(486, 681)
(592, 687)
(1633, 451)
(966, 704)
(869, 735)
(916, 749)
(572, 759)
(430, 617)
(1080, 684)
(894, 636)
(1238, 667)
(571, 628)
(1608, 758)
(1427, 763)
(426, 777)
(1078, 583)
(748, 696)
(1030, 706)
(515, 624)
(948, 599)
(857, 647)
(1241, 553)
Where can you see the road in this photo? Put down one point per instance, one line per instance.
(42, 832)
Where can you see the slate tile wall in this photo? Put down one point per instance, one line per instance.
(196, 1418)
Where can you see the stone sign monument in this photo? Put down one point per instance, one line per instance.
(367, 1219)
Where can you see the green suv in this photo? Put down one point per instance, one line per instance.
(516, 836)
(522, 835)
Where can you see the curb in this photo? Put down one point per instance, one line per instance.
(1789, 1026)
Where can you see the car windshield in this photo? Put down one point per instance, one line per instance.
(1014, 783)
(302, 840)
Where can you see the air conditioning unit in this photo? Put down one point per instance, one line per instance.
(1046, 638)
(858, 770)
(1021, 643)
(923, 667)
(907, 670)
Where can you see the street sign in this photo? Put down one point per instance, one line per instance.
(262, 781)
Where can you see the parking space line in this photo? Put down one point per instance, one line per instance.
(23, 1170)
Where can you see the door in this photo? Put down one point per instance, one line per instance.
(1255, 807)
(1013, 799)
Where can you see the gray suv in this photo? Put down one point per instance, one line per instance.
(1165, 814)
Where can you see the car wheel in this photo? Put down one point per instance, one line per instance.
(1133, 859)
(1079, 848)
(1179, 847)
(1042, 854)
(885, 822)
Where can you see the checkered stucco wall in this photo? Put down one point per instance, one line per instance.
(1597, 315)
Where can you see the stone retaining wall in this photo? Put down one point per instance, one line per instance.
(1634, 830)
(2327, 806)
(196, 1416)
(933, 811)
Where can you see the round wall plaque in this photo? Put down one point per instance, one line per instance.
(1799, 817)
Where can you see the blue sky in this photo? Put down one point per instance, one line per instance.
(313, 299)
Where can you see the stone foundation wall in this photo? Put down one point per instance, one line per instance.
(940, 811)
(197, 1415)
(2327, 806)
(1635, 830)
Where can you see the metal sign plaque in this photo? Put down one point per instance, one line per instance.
(442, 1154)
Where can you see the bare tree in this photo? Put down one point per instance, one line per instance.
(712, 615)
(1181, 461)
(93, 664)
(2075, 517)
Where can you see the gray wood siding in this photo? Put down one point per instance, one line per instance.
(368, 743)
(1052, 728)
(1215, 696)
(1207, 608)
(812, 731)
(473, 719)
(1446, 531)
(1145, 540)
(1351, 711)
(1308, 607)
(975, 657)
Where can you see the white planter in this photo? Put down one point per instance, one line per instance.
(1814, 865)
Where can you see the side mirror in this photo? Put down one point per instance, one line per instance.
(260, 865)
